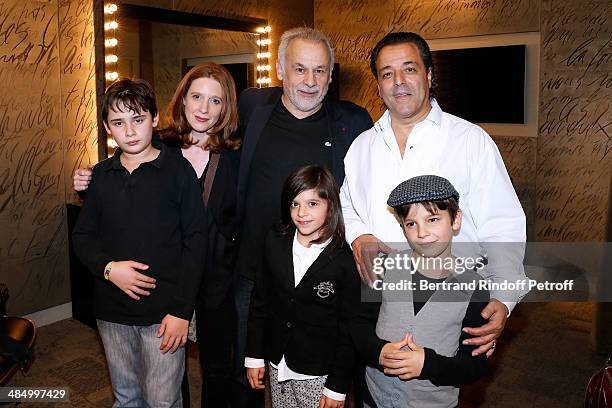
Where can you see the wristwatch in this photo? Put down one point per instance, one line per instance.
(107, 270)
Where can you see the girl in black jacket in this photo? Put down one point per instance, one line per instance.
(303, 298)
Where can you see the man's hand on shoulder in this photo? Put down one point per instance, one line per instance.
(366, 248)
(82, 178)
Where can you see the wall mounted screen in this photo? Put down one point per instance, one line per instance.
(482, 85)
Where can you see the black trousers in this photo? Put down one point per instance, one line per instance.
(215, 331)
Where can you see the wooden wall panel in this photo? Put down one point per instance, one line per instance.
(575, 143)
(460, 18)
(32, 245)
(47, 129)
(354, 27)
(78, 88)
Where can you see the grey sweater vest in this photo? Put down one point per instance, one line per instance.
(437, 326)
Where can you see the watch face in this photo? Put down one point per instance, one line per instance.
(107, 271)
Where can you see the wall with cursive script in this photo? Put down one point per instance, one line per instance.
(47, 129)
(562, 175)
(575, 130)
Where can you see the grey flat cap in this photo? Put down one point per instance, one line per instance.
(422, 188)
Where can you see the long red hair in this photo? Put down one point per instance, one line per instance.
(223, 135)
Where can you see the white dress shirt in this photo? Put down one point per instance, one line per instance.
(303, 258)
(453, 148)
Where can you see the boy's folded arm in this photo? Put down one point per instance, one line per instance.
(191, 268)
(462, 368)
(85, 236)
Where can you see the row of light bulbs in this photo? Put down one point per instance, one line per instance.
(111, 42)
(263, 57)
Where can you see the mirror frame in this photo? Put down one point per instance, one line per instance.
(158, 15)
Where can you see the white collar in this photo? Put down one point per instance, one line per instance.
(313, 247)
(383, 124)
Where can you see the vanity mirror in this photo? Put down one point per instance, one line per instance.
(161, 45)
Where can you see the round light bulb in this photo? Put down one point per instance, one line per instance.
(112, 76)
(110, 8)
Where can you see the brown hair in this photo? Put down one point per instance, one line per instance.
(320, 179)
(222, 136)
(450, 204)
(135, 95)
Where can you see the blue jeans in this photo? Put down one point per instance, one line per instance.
(141, 375)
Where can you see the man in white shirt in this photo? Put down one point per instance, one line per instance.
(415, 137)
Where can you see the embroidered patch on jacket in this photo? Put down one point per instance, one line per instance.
(324, 289)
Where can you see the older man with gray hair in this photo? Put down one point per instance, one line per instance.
(284, 129)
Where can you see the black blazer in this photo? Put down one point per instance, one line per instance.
(222, 231)
(222, 228)
(308, 324)
(255, 106)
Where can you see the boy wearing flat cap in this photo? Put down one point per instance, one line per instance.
(412, 340)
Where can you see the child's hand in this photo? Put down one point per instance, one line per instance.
(256, 377)
(124, 275)
(326, 402)
(403, 364)
(174, 330)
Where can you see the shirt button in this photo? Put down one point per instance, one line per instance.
(292, 300)
(289, 324)
(411, 147)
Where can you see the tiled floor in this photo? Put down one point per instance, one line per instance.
(543, 360)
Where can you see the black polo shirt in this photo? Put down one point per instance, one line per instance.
(155, 215)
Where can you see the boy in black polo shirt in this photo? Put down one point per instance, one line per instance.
(141, 233)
